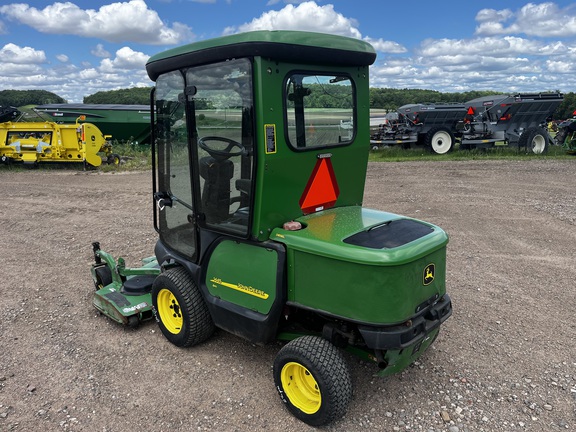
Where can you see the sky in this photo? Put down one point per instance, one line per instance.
(77, 48)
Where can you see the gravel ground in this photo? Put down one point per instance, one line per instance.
(505, 360)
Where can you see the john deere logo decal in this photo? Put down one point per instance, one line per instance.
(429, 274)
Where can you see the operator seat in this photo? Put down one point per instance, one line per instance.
(216, 191)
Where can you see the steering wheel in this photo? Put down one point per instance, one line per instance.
(222, 154)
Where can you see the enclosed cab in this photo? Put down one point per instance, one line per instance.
(260, 156)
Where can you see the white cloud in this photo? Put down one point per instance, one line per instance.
(22, 68)
(307, 16)
(561, 67)
(130, 21)
(126, 59)
(13, 74)
(542, 20)
(15, 54)
(386, 46)
(100, 51)
(491, 46)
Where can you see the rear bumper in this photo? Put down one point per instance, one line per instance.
(410, 333)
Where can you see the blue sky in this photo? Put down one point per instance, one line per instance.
(74, 49)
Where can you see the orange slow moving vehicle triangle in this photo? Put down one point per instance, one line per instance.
(322, 190)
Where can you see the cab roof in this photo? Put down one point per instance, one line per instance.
(280, 45)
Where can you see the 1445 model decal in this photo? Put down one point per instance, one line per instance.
(242, 288)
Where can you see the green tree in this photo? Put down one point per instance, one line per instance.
(129, 96)
(566, 108)
(19, 98)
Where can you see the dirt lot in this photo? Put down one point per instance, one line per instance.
(505, 361)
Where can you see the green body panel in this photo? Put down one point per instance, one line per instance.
(243, 274)
(282, 176)
(366, 285)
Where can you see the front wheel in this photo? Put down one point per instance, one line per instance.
(440, 140)
(313, 380)
(102, 276)
(180, 309)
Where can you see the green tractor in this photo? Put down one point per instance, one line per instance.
(260, 150)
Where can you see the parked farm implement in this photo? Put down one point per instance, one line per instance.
(516, 121)
(260, 223)
(36, 142)
(431, 125)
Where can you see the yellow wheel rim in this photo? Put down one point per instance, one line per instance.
(301, 388)
(169, 311)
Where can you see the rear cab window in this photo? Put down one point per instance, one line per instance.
(320, 110)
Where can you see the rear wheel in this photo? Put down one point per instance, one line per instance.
(182, 315)
(535, 139)
(313, 380)
(440, 140)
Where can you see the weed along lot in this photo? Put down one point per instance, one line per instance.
(505, 360)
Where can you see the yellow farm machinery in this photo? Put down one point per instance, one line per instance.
(35, 142)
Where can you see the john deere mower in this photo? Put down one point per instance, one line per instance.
(258, 194)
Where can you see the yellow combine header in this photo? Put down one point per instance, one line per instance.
(35, 142)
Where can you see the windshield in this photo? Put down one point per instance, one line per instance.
(204, 138)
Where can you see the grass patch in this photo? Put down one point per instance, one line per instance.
(139, 157)
(132, 158)
(398, 154)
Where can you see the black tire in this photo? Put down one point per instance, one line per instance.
(561, 136)
(103, 276)
(113, 159)
(535, 140)
(133, 321)
(313, 380)
(440, 140)
(180, 310)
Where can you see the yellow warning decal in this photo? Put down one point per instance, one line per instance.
(242, 288)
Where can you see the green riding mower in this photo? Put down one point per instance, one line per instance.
(259, 162)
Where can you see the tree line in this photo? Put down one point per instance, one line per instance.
(20, 98)
(380, 98)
